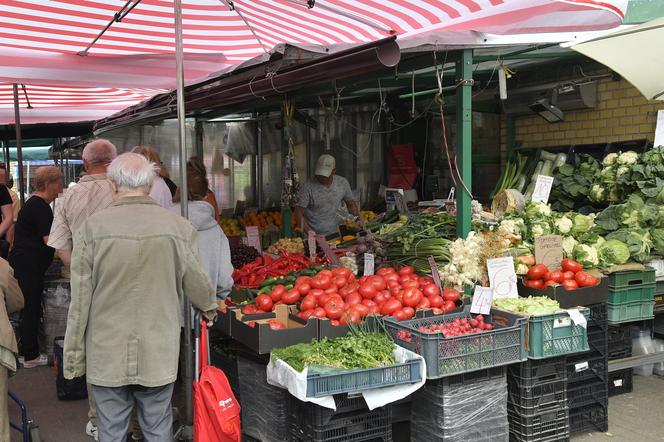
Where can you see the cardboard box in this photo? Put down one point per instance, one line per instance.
(570, 298)
(262, 339)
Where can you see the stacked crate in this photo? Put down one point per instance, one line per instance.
(631, 296)
(471, 407)
(350, 422)
(620, 346)
(587, 377)
(537, 401)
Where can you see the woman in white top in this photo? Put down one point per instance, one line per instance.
(160, 191)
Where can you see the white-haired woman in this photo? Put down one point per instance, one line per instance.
(30, 258)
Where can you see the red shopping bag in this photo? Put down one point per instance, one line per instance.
(216, 411)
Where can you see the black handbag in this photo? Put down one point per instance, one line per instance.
(67, 389)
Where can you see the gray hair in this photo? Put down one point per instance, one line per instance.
(99, 152)
(131, 171)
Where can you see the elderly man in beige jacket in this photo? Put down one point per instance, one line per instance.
(13, 302)
(131, 265)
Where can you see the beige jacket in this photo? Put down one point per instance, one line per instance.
(131, 265)
(13, 302)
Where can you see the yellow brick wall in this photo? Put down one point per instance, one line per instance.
(622, 114)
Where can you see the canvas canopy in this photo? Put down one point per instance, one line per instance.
(46, 45)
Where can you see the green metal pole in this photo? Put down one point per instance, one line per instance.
(464, 117)
(286, 212)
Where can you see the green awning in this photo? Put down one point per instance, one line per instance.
(29, 153)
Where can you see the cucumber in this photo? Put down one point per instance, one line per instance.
(307, 272)
(268, 282)
(265, 290)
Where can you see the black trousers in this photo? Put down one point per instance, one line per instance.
(32, 286)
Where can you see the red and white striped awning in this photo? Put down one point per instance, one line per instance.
(40, 39)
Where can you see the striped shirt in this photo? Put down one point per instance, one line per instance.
(92, 194)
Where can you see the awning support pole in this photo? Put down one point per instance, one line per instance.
(19, 146)
(187, 349)
(117, 18)
(464, 117)
(5, 150)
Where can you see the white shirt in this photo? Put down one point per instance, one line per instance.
(160, 193)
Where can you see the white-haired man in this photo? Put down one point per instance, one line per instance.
(131, 265)
(92, 194)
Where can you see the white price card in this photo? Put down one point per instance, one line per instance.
(434, 273)
(482, 299)
(542, 188)
(368, 264)
(254, 238)
(577, 317)
(311, 239)
(502, 277)
(581, 366)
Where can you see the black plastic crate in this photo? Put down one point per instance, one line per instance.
(538, 399)
(553, 425)
(619, 341)
(312, 423)
(467, 378)
(587, 368)
(598, 341)
(588, 419)
(599, 315)
(587, 393)
(495, 429)
(226, 360)
(621, 382)
(539, 371)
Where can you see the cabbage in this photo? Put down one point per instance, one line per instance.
(613, 252)
(638, 241)
(657, 236)
(586, 255)
(582, 223)
(537, 209)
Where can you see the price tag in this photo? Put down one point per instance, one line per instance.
(502, 277)
(322, 242)
(368, 264)
(618, 383)
(562, 322)
(434, 273)
(577, 317)
(542, 188)
(549, 251)
(400, 201)
(312, 244)
(581, 366)
(254, 238)
(482, 299)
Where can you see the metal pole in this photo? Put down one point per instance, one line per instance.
(464, 116)
(5, 140)
(19, 146)
(188, 377)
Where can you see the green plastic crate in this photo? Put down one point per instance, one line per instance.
(621, 280)
(644, 292)
(556, 335)
(631, 311)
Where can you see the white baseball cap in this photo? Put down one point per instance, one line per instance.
(325, 165)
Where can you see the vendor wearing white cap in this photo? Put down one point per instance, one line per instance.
(320, 198)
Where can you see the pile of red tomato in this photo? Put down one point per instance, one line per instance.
(339, 296)
(571, 276)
